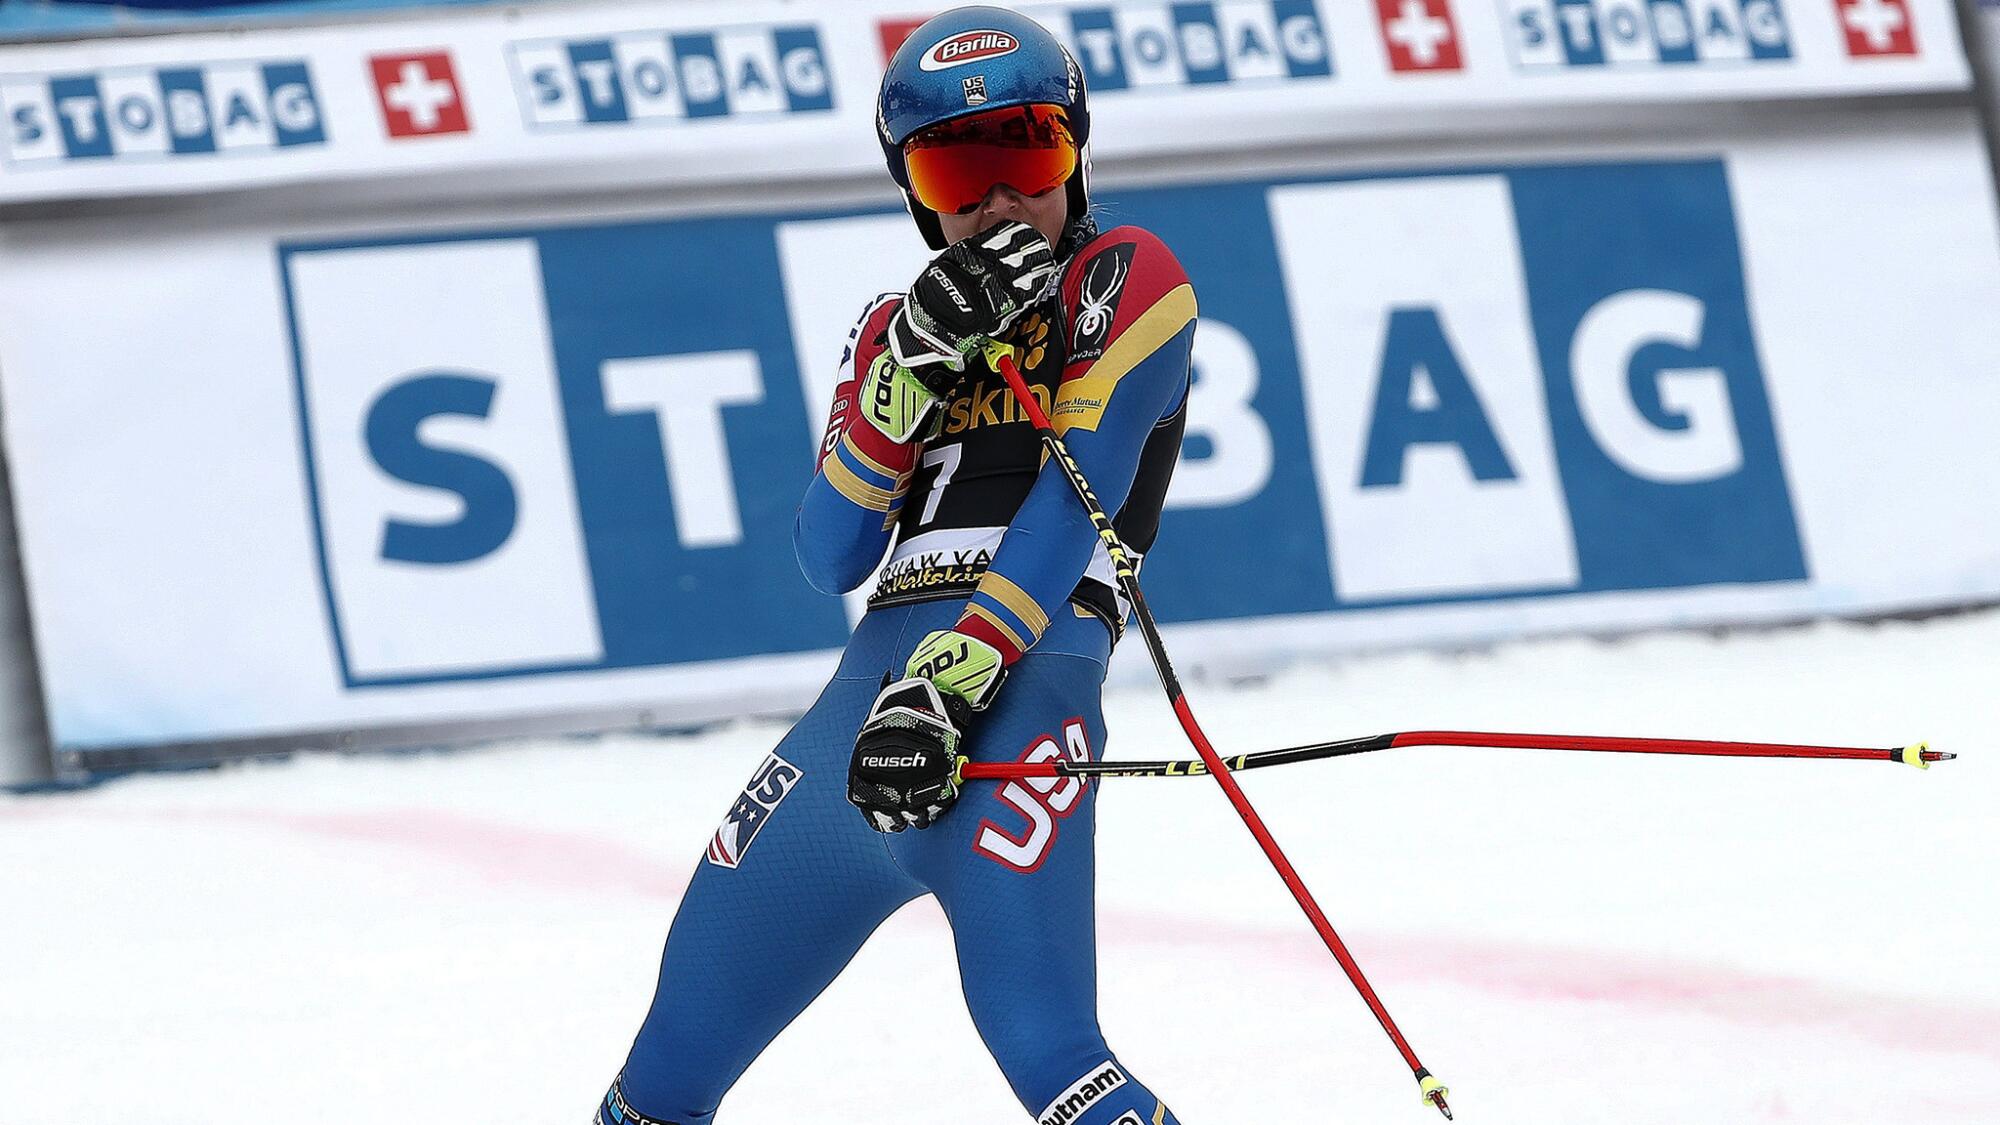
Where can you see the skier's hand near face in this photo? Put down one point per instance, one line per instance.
(969, 294)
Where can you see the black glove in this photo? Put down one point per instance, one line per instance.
(967, 295)
(904, 773)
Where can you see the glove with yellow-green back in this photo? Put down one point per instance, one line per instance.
(964, 298)
(901, 402)
(904, 772)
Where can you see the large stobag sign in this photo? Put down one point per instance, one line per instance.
(1545, 423)
(270, 482)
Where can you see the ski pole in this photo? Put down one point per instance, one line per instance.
(1919, 755)
(1434, 1091)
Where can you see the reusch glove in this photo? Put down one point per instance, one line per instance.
(964, 666)
(904, 772)
(970, 293)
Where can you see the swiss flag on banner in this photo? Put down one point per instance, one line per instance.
(1420, 34)
(418, 94)
(1877, 27)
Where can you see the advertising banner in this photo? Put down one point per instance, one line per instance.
(717, 91)
(704, 91)
(272, 480)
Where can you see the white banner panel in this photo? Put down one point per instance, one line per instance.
(1483, 512)
(272, 479)
(413, 513)
(706, 91)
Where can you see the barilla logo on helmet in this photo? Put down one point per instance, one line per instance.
(968, 47)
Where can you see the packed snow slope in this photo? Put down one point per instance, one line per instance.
(1564, 937)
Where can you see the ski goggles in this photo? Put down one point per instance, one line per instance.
(954, 164)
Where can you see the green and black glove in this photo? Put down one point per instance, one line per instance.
(904, 772)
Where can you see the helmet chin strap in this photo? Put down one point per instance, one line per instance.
(927, 221)
(1081, 227)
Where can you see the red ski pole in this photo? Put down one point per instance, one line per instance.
(1917, 754)
(1434, 1091)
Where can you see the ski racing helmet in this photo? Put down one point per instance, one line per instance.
(990, 84)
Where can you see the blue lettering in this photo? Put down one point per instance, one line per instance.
(1764, 24)
(135, 113)
(1302, 39)
(27, 125)
(1534, 32)
(750, 78)
(1150, 46)
(238, 112)
(1625, 25)
(295, 118)
(650, 77)
(185, 108)
(1416, 339)
(548, 90)
(483, 487)
(1576, 20)
(1718, 27)
(703, 79)
(1249, 44)
(771, 787)
(802, 69)
(80, 116)
(1673, 31)
(597, 78)
(1201, 42)
(1098, 49)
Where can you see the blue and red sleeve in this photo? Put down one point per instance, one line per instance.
(1131, 320)
(845, 521)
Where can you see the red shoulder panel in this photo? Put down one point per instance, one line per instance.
(865, 341)
(872, 334)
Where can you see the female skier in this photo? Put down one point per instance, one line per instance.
(988, 631)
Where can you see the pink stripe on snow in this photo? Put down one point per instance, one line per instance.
(572, 861)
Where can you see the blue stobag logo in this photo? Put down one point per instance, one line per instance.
(665, 77)
(582, 448)
(1599, 33)
(1509, 383)
(148, 112)
(567, 449)
(1204, 42)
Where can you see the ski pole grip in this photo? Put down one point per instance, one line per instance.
(1007, 771)
(1026, 398)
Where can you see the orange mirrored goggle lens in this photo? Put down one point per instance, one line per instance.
(954, 164)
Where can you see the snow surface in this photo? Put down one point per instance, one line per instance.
(1564, 937)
